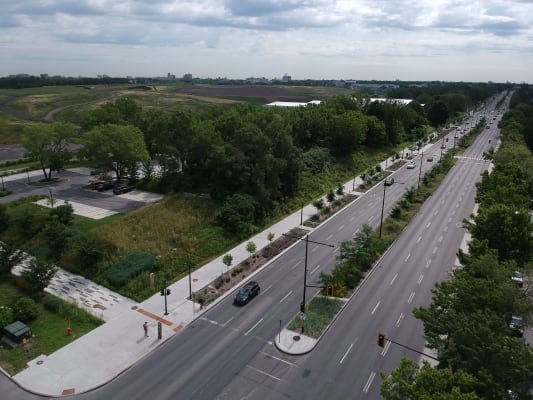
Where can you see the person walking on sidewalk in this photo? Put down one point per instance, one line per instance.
(145, 327)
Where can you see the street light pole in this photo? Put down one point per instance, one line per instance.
(420, 171)
(302, 306)
(382, 208)
(190, 283)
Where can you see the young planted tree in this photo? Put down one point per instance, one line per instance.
(38, 275)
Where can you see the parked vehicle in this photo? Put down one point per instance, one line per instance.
(518, 277)
(246, 293)
(517, 325)
(119, 189)
(411, 165)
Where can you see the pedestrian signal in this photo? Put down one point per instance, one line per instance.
(162, 291)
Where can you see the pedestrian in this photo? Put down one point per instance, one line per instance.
(145, 327)
(201, 301)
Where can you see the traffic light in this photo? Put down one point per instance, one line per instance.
(330, 290)
(381, 339)
(168, 292)
(162, 291)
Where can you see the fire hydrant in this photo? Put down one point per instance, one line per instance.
(69, 331)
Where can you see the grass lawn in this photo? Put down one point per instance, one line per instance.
(319, 314)
(49, 330)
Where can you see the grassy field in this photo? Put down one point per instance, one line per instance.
(49, 330)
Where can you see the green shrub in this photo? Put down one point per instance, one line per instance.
(64, 213)
(6, 316)
(129, 267)
(53, 303)
(25, 309)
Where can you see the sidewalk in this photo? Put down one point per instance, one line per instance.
(105, 352)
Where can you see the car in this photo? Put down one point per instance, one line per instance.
(517, 325)
(443, 146)
(104, 186)
(119, 189)
(518, 277)
(429, 158)
(411, 165)
(389, 181)
(246, 293)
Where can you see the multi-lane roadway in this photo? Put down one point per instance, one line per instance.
(228, 353)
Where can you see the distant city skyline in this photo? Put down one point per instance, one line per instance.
(439, 40)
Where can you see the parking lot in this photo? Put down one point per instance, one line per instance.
(70, 186)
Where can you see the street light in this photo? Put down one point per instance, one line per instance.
(420, 171)
(302, 304)
(383, 207)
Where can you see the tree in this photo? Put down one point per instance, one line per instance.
(251, 248)
(227, 260)
(270, 236)
(238, 214)
(50, 145)
(411, 381)
(116, 147)
(38, 274)
(64, 213)
(10, 256)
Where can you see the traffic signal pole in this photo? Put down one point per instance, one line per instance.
(382, 338)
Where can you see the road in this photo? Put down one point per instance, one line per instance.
(228, 353)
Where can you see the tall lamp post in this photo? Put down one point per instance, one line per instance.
(302, 304)
(420, 170)
(382, 208)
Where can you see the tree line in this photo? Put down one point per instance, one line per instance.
(248, 158)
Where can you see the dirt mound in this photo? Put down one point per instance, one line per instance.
(271, 93)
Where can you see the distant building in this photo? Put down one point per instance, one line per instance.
(187, 77)
(286, 78)
(44, 76)
(171, 77)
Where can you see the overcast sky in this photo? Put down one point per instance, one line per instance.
(449, 40)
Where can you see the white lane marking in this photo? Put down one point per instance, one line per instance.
(449, 219)
(264, 373)
(428, 224)
(435, 249)
(355, 233)
(369, 382)
(441, 238)
(420, 278)
(267, 289)
(446, 229)
(329, 237)
(375, 307)
(278, 359)
(399, 320)
(345, 354)
(386, 348)
(253, 327)
(296, 264)
(352, 218)
(428, 262)
(227, 322)
(407, 258)
(411, 297)
(285, 297)
(371, 218)
(340, 228)
(314, 249)
(419, 239)
(393, 279)
(314, 269)
(210, 321)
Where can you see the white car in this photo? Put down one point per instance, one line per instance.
(411, 165)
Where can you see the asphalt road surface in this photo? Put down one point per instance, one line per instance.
(228, 353)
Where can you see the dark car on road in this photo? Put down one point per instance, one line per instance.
(389, 181)
(246, 293)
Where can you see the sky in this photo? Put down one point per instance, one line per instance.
(422, 40)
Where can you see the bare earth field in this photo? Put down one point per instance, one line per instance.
(270, 93)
